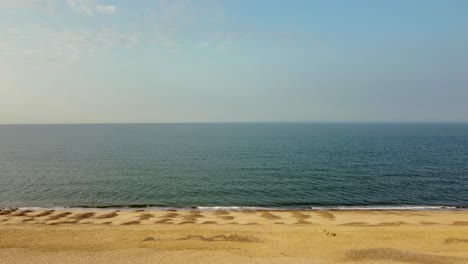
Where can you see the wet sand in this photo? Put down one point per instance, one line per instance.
(75, 236)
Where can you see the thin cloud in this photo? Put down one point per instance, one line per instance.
(90, 7)
(14, 31)
(47, 6)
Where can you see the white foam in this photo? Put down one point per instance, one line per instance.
(241, 208)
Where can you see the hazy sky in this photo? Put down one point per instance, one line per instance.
(100, 61)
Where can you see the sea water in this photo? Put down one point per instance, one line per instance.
(236, 165)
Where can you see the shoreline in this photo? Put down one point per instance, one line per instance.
(223, 236)
(246, 208)
(259, 216)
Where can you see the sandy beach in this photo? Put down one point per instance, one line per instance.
(76, 236)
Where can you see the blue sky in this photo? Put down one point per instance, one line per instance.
(102, 61)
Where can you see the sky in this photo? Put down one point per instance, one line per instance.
(150, 61)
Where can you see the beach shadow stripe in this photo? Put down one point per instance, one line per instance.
(58, 216)
(107, 216)
(131, 223)
(452, 240)
(394, 255)
(83, 216)
(222, 238)
(270, 216)
(45, 213)
(326, 215)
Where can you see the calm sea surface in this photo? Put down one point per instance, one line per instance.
(258, 165)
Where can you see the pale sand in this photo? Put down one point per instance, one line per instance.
(425, 237)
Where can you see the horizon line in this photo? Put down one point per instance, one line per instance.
(245, 122)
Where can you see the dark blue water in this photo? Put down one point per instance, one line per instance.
(267, 165)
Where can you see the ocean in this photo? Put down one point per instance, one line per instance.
(234, 165)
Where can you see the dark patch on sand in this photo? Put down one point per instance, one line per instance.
(107, 216)
(192, 217)
(28, 220)
(227, 217)
(428, 223)
(303, 222)
(22, 213)
(106, 223)
(170, 215)
(164, 221)
(391, 223)
(64, 223)
(187, 222)
(7, 212)
(45, 213)
(356, 224)
(270, 216)
(221, 212)
(300, 215)
(150, 239)
(221, 238)
(209, 223)
(146, 216)
(326, 215)
(452, 240)
(460, 223)
(83, 216)
(131, 223)
(390, 254)
(251, 223)
(58, 216)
